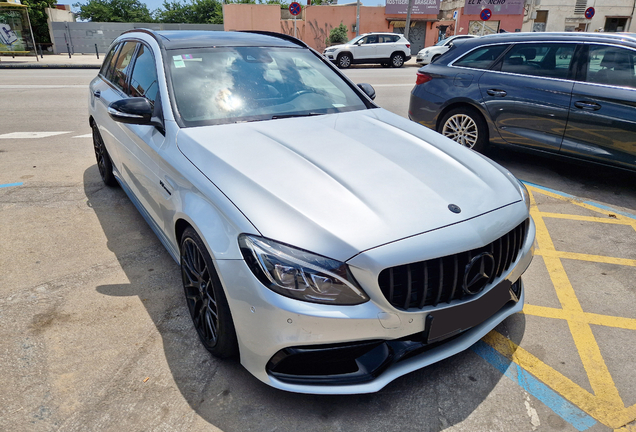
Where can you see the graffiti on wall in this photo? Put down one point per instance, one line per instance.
(287, 27)
(320, 35)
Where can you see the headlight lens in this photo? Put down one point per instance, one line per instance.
(330, 50)
(300, 274)
(526, 195)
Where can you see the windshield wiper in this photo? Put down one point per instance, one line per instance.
(282, 116)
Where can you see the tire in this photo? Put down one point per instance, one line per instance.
(205, 297)
(465, 126)
(344, 61)
(104, 163)
(397, 60)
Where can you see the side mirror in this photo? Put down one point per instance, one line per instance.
(136, 110)
(368, 90)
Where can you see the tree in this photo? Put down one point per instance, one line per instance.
(114, 11)
(37, 15)
(339, 34)
(192, 12)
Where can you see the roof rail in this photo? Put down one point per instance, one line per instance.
(278, 35)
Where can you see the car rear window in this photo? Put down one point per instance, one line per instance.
(540, 59)
(234, 84)
(481, 58)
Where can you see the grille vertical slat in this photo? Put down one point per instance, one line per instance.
(408, 285)
(454, 285)
(407, 300)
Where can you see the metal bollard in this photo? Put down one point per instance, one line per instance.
(96, 53)
(40, 46)
(68, 48)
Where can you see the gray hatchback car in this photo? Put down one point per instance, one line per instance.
(571, 94)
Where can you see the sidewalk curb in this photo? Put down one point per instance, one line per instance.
(47, 66)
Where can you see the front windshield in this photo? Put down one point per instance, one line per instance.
(235, 84)
(354, 40)
(442, 42)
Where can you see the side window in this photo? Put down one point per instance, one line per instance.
(611, 65)
(546, 60)
(119, 71)
(108, 60)
(395, 38)
(481, 58)
(372, 39)
(110, 69)
(143, 80)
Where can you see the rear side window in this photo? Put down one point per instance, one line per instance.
(481, 58)
(109, 60)
(119, 70)
(611, 65)
(542, 59)
(143, 80)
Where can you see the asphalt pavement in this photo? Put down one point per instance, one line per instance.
(96, 334)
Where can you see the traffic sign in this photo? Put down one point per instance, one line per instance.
(455, 15)
(485, 14)
(589, 12)
(294, 8)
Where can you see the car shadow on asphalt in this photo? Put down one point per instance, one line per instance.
(224, 394)
(607, 185)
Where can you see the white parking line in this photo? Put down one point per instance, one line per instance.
(21, 135)
(89, 135)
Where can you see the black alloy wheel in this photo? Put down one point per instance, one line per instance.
(397, 60)
(344, 60)
(205, 297)
(104, 164)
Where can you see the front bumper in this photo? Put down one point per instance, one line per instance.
(378, 342)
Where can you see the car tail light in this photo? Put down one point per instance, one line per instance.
(408, 45)
(422, 78)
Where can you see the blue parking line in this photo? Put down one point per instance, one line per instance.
(536, 388)
(566, 195)
(10, 184)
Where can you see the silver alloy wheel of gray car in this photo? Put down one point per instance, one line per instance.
(462, 129)
(344, 61)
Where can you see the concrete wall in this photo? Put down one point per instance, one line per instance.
(83, 36)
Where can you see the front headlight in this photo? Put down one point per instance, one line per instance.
(525, 194)
(299, 274)
(330, 50)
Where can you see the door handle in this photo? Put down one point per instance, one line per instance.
(97, 94)
(590, 106)
(496, 93)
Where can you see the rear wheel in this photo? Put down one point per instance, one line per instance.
(104, 164)
(206, 300)
(344, 61)
(465, 126)
(397, 60)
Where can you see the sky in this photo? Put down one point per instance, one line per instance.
(156, 4)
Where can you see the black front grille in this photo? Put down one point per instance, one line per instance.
(427, 283)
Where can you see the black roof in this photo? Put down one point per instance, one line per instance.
(179, 39)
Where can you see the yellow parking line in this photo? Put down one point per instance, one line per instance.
(586, 317)
(611, 221)
(586, 257)
(600, 379)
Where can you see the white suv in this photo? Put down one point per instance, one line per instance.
(427, 55)
(388, 49)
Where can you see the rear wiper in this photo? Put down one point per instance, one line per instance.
(282, 116)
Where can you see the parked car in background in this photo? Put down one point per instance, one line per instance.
(330, 244)
(387, 49)
(430, 54)
(569, 94)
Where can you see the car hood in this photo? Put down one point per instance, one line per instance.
(340, 46)
(339, 184)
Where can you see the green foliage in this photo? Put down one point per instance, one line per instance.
(37, 15)
(114, 11)
(339, 35)
(192, 12)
